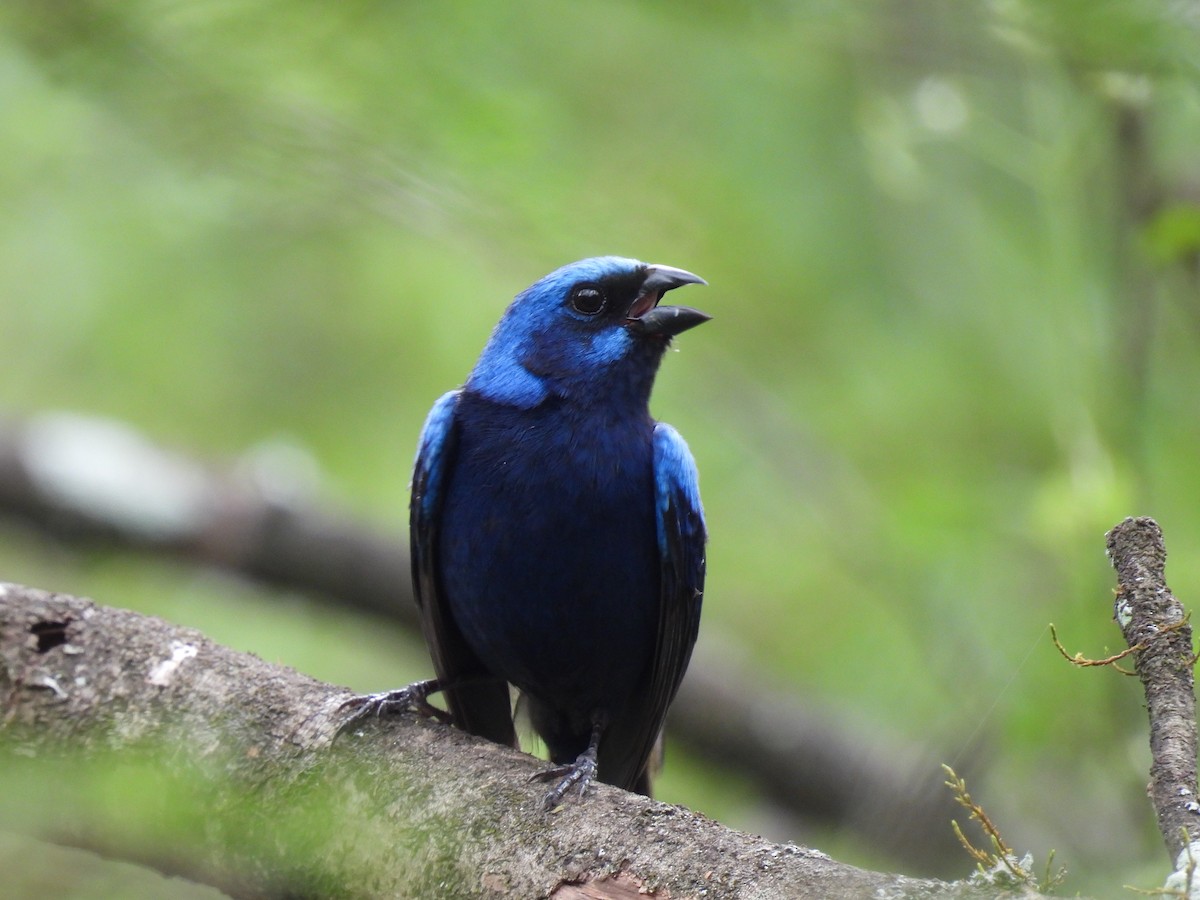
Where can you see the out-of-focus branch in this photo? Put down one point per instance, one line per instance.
(84, 479)
(815, 763)
(224, 769)
(1152, 620)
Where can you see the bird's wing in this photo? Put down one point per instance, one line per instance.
(681, 539)
(478, 702)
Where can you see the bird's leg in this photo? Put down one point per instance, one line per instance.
(577, 775)
(413, 698)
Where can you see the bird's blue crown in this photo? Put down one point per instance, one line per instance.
(541, 342)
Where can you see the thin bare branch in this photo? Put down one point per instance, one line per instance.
(1156, 626)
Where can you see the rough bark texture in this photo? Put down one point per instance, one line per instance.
(1151, 617)
(231, 777)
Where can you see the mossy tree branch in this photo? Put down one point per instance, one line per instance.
(149, 742)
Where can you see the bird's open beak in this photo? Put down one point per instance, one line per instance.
(647, 317)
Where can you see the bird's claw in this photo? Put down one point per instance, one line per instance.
(412, 698)
(573, 778)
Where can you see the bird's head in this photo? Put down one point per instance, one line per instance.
(591, 326)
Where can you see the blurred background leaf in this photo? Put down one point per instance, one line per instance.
(952, 257)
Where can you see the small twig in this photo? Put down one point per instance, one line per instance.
(1180, 883)
(1082, 661)
(1155, 892)
(1157, 630)
(1003, 853)
(1000, 865)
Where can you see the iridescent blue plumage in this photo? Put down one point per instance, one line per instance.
(557, 532)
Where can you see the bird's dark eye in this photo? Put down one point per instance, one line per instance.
(587, 299)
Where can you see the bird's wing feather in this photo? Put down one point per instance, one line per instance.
(681, 532)
(478, 702)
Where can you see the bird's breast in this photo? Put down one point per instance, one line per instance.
(548, 554)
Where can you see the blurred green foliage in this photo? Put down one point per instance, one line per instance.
(952, 255)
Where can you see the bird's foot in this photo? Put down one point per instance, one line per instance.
(413, 698)
(573, 777)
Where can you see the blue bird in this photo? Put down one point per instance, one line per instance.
(556, 529)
